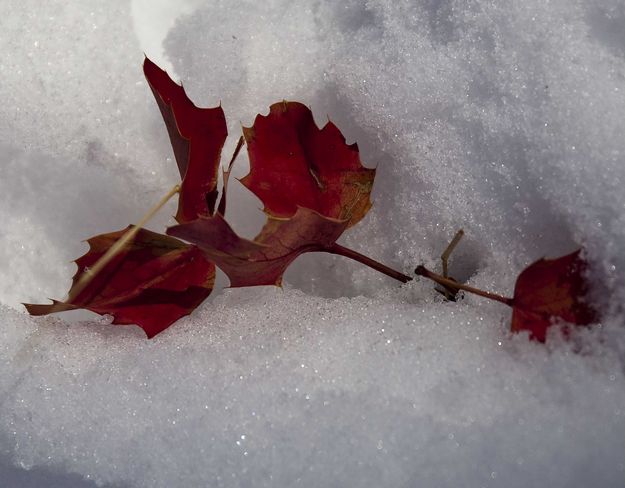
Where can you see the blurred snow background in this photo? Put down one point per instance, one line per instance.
(503, 118)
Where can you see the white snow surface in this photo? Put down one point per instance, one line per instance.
(505, 119)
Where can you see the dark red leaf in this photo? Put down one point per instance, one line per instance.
(547, 292)
(197, 136)
(295, 164)
(312, 184)
(152, 282)
(263, 260)
(552, 290)
(313, 187)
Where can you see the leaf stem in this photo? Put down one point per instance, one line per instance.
(226, 176)
(367, 261)
(446, 282)
(91, 273)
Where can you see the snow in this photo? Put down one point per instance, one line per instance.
(501, 118)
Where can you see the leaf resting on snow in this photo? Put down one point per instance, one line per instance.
(263, 260)
(197, 136)
(295, 164)
(313, 187)
(311, 182)
(547, 292)
(152, 282)
(552, 290)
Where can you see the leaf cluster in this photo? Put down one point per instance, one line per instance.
(313, 187)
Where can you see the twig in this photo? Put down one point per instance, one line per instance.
(221, 208)
(450, 248)
(447, 283)
(367, 261)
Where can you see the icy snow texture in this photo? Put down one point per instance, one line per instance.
(504, 118)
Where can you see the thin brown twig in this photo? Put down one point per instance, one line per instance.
(446, 282)
(367, 261)
(450, 248)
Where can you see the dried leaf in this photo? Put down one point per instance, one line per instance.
(263, 260)
(197, 136)
(313, 187)
(152, 282)
(552, 290)
(295, 164)
(312, 184)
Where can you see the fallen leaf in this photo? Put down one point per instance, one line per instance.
(547, 292)
(152, 282)
(263, 260)
(311, 182)
(295, 164)
(313, 187)
(550, 291)
(197, 136)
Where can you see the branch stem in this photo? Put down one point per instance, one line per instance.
(226, 176)
(367, 261)
(446, 282)
(452, 245)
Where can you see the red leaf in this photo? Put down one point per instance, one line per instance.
(263, 260)
(155, 279)
(546, 292)
(295, 164)
(197, 136)
(313, 187)
(550, 290)
(152, 282)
